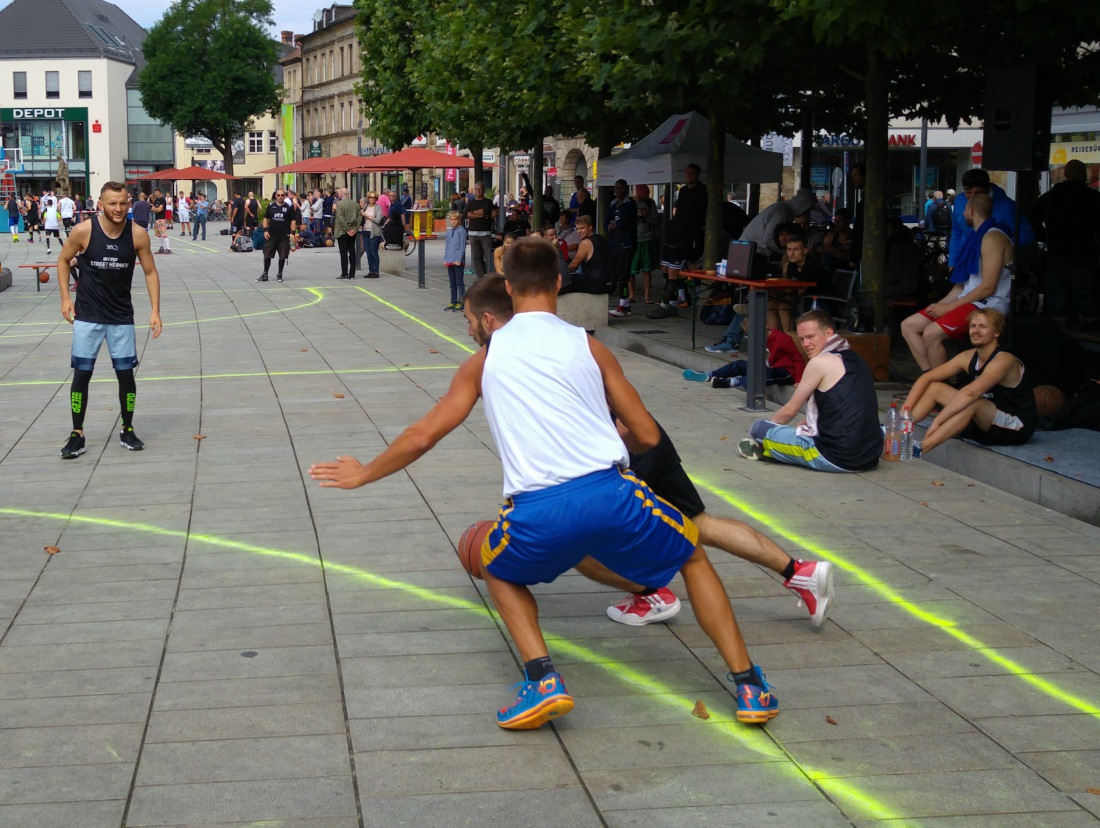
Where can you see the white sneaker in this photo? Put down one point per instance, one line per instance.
(619, 312)
(639, 610)
(813, 583)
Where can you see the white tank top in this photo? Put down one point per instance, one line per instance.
(1001, 298)
(546, 404)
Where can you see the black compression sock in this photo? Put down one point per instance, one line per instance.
(537, 668)
(78, 397)
(127, 396)
(747, 677)
(788, 573)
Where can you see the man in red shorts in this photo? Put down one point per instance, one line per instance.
(983, 281)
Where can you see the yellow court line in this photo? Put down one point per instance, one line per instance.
(889, 594)
(335, 372)
(749, 737)
(413, 317)
(317, 293)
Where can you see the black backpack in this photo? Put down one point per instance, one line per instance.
(941, 217)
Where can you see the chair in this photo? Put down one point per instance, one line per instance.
(838, 305)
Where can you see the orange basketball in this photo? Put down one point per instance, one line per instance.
(469, 546)
(1049, 401)
(44, 276)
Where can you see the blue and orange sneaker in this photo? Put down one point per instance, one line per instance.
(756, 703)
(537, 703)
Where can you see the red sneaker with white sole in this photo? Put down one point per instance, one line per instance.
(813, 583)
(639, 610)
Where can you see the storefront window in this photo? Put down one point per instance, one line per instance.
(77, 141)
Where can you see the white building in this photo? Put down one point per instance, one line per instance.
(68, 77)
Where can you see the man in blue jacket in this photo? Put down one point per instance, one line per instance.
(1004, 213)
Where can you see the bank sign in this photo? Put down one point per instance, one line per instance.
(48, 113)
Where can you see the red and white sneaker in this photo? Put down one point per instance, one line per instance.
(813, 583)
(619, 312)
(639, 610)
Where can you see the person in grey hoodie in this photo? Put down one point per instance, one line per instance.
(762, 228)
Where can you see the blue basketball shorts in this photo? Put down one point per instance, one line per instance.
(610, 515)
(88, 338)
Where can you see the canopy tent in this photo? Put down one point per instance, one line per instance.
(662, 155)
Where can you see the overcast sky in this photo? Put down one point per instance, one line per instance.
(289, 14)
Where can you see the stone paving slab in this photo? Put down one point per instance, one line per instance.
(221, 642)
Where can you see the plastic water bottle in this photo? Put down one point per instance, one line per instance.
(906, 449)
(891, 447)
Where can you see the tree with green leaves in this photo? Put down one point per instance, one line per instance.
(745, 75)
(941, 77)
(209, 70)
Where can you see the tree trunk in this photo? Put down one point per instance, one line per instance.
(603, 194)
(538, 158)
(873, 267)
(716, 174)
(477, 151)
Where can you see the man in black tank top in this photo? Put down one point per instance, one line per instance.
(107, 248)
(841, 431)
(996, 406)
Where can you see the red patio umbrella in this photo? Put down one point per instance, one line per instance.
(415, 158)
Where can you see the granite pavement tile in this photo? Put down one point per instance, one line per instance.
(306, 616)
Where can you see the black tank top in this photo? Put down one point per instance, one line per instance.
(1019, 401)
(106, 275)
(596, 275)
(848, 433)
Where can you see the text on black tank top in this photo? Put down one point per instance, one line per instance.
(106, 275)
(1019, 401)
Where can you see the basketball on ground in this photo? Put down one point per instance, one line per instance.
(44, 276)
(469, 546)
(1049, 401)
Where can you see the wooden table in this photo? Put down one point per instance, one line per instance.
(758, 327)
(38, 268)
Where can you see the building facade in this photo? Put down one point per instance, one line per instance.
(68, 93)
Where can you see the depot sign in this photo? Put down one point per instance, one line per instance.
(55, 113)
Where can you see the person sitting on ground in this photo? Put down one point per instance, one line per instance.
(661, 469)
(841, 431)
(987, 284)
(784, 363)
(568, 491)
(997, 405)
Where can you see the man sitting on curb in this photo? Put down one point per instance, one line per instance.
(784, 364)
(983, 280)
(997, 405)
(660, 468)
(841, 431)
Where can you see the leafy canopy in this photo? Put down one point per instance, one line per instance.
(209, 69)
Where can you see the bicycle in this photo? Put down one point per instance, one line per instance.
(410, 243)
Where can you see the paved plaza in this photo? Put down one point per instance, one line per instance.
(219, 641)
